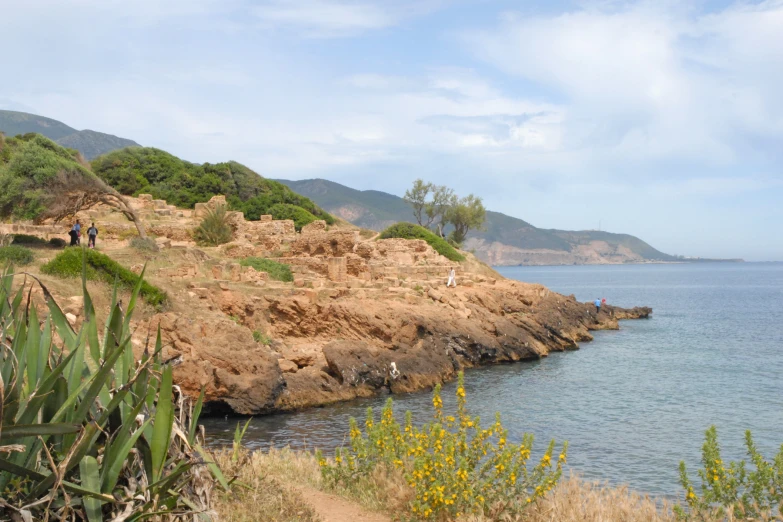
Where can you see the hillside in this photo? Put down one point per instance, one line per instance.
(90, 143)
(506, 241)
(146, 170)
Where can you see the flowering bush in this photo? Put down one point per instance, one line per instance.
(731, 489)
(453, 465)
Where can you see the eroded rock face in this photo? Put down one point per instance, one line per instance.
(222, 357)
(399, 344)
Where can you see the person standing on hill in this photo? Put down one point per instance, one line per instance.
(452, 278)
(597, 304)
(92, 234)
(75, 233)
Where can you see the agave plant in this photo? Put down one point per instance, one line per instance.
(87, 432)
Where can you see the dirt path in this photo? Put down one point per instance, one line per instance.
(331, 508)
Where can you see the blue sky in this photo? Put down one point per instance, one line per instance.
(661, 119)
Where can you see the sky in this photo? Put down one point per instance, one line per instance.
(662, 119)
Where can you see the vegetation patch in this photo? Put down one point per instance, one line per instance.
(77, 452)
(214, 229)
(300, 216)
(411, 231)
(138, 170)
(145, 244)
(277, 271)
(452, 466)
(16, 255)
(68, 264)
(37, 242)
(28, 240)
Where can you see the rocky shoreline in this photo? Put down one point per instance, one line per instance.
(335, 345)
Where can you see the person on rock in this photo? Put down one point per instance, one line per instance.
(92, 234)
(598, 306)
(452, 278)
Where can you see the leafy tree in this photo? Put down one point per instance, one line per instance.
(42, 180)
(443, 199)
(465, 214)
(416, 196)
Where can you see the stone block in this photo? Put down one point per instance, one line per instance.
(337, 269)
(315, 226)
(217, 272)
(235, 272)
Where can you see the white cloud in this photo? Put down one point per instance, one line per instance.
(647, 81)
(334, 18)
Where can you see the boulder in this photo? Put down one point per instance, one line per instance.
(222, 357)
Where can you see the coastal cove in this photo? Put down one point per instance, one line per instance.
(632, 403)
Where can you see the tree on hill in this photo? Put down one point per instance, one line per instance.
(438, 205)
(465, 214)
(42, 180)
(138, 170)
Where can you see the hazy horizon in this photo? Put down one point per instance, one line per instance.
(656, 119)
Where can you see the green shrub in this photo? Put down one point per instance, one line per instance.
(57, 242)
(411, 231)
(137, 170)
(214, 229)
(453, 465)
(146, 244)
(300, 216)
(25, 239)
(68, 264)
(276, 271)
(731, 490)
(15, 254)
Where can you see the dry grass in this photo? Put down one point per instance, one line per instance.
(574, 499)
(271, 494)
(262, 491)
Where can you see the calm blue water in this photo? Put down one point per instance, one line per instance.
(633, 403)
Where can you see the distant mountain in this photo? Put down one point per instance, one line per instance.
(90, 143)
(506, 241)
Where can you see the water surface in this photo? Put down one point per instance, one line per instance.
(632, 403)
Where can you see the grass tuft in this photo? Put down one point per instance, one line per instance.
(68, 264)
(276, 271)
(15, 254)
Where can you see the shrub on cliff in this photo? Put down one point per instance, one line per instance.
(68, 264)
(411, 231)
(214, 229)
(453, 466)
(276, 271)
(16, 255)
(300, 216)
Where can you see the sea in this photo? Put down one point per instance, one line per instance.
(632, 403)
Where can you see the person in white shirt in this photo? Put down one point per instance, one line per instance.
(452, 278)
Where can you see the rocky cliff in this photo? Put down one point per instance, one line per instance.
(361, 316)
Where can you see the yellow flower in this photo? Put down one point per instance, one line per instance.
(546, 460)
(562, 457)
